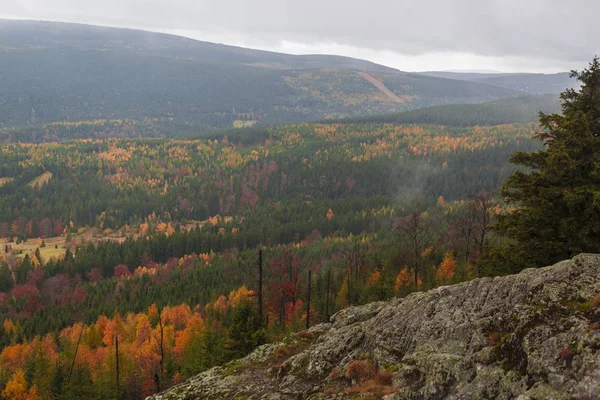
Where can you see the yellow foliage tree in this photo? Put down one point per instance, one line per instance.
(35, 262)
(239, 295)
(34, 394)
(9, 326)
(16, 387)
(330, 214)
(342, 297)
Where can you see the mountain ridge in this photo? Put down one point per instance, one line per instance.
(54, 72)
(70, 34)
(532, 83)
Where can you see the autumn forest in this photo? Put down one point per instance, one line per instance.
(131, 264)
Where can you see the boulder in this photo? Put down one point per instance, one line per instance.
(534, 335)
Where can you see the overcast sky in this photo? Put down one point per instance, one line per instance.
(504, 35)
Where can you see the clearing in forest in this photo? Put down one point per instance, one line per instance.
(382, 88)
(54, 247)
(238, 123)
(4, 181)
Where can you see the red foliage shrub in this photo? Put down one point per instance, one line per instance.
(282, 352)
(384, 378)
(94, 275)
(360, 370)
(122, 270)
(335, 374)
(24, 291)
(596, 301)
(494, 338)
(565, 354)
(78, 295)
(305, 335)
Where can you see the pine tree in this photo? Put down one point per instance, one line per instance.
(557, 197)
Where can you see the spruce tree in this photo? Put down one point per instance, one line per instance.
(244, 333)
(556, 197)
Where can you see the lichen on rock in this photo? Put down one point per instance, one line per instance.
(528, 336)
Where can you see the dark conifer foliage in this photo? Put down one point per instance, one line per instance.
(557, 196)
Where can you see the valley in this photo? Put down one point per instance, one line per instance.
(184, 219)
(109, 237)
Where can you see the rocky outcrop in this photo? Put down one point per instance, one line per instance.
(534, 335)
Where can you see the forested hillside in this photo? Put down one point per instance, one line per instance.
(52, 72)
(147, 250)
(509, 110)
(514, 109)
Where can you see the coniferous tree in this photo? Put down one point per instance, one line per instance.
(6, 280)
(245, 332)
(557, 199)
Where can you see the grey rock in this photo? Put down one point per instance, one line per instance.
(438, 344)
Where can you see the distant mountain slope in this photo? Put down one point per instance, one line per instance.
(67, 72)
(463, 76)
(504, 111)
(36, 34)
(527, 83)
(532, 83)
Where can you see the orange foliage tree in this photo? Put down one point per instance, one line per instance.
(446, 269)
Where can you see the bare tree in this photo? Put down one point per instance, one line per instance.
(161, 349)
(328, 295)
(462, 230)
(353, 259)
(75, 354)
(416, 232)
(260, 286)
(483, 206)
(308, 299)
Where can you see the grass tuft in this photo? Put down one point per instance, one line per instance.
(360, 370)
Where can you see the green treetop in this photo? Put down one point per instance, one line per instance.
(556, 199)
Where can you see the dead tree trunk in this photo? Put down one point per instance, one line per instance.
(327, 295)
(260, 286)
(117, 358)
(75, 355)
(308, 300)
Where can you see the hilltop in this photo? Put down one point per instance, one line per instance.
(41, 34)
(529, 336)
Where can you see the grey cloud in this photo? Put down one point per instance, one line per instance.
(560, 30)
